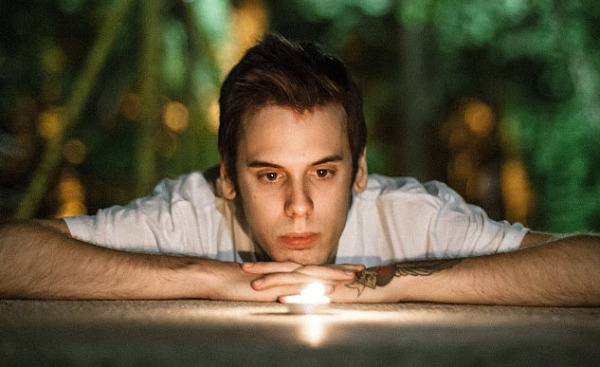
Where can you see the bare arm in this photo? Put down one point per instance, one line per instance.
(534, 238)
(564, 272)
(39, 259)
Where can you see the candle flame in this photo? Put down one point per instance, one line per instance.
(314, 289)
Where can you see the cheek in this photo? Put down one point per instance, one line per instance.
(334, 204)
(257, 204)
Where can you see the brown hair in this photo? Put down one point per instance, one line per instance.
(297, 75)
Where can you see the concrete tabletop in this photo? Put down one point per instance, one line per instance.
(209, 333)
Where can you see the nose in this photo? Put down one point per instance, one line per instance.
(298, 200)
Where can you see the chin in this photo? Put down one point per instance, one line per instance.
(303, 259)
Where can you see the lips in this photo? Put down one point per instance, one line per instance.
(299, 241)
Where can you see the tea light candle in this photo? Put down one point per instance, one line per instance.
(311, 299)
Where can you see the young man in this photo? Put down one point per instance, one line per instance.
(292, 203)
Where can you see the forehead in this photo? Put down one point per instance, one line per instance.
(273, 131)
(263, 113)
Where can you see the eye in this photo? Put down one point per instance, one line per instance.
(323, 173)
(269, 177)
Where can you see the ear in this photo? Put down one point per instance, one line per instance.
(362, 174)
(225, 185)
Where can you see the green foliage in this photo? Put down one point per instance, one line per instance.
(542, 59)
(212, 16)
(174, 41)
(44, 48)
(333, 9)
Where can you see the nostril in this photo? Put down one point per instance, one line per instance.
(299, 204)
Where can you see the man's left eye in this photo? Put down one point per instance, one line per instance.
(271, 176)
(322, 173)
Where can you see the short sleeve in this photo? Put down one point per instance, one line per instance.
(462, 229)
(178, 218)
(399, 219)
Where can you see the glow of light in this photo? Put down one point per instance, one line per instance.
(311, 299)
(70, 189)
(74, 151)
(247, 24)
(479, 117)
(313, 329)
(313, 290)
(176, 116)
(71, 208)
(71, 195)
(212, 116)
(251, 22)
(516, 191)
(50, 123)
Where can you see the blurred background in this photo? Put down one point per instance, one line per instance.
(100, 99)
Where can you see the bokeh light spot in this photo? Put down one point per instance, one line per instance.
(74, 151)
(479, 117)
(213, 116)
(51, 123)
(176, 116)
(71, 195)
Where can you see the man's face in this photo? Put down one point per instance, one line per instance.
(294, 173)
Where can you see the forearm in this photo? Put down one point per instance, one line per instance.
(37, 261)
(564, 272)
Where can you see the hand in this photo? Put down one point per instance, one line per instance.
(290, 278)
(270, 281)
(261, 282)
(345, 283)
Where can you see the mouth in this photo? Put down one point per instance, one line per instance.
(299, 241)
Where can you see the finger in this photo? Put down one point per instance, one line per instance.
(270, 267)
(286, 279)
(349, 267)
(295, 280)
(326, 272)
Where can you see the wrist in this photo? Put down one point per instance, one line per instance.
(209, 279)
(184, 277)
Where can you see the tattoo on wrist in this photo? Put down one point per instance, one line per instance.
(380, 276)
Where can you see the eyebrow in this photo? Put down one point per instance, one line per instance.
(259, 164)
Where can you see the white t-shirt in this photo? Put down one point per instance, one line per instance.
(394, 219)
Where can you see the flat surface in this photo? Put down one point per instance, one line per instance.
(208, 333)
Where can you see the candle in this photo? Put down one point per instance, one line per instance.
(311, 299)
